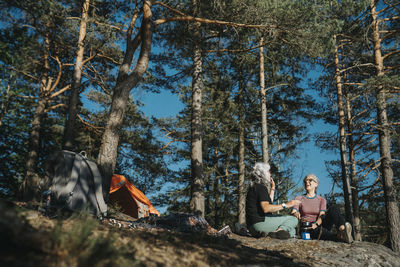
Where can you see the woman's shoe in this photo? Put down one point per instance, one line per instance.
(281, 234)
(345, 234)
(348, 236)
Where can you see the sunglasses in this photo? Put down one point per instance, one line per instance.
(309, 180)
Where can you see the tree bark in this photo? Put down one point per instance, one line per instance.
(75, 88)
(241, 166)
(197, 182)
(31, 184)
(109, 145)
(343, 149)
(264, 123)
(353, 173)
(391, 204)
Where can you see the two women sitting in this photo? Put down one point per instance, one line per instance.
(261, 215)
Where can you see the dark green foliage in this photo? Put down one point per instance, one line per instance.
(297, 37)
(358, 73)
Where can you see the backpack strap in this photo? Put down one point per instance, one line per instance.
(97, 181)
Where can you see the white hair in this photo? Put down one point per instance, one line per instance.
(261, 175)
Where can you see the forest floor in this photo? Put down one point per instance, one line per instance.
(31, 239)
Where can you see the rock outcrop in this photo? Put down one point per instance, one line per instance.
(326, 253)
(30, 239)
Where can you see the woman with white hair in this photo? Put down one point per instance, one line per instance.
(259, 208)
(312, 210)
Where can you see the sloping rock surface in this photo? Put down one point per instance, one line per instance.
(27, 236)
(326, 253)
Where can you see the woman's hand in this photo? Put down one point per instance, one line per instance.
(272, 184)
(314, 226)
(296, 214)
(272, 190)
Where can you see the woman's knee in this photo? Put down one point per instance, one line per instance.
(293, 221)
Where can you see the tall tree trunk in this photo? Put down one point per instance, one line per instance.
(217, 201)
(353, 173)
(197, 182)
(226, 193)
(74, 98)
(392, 209)
(31, 184)
(264, 127)
(343, 151)
(217, 183)
(207, 199)
(241, 166)
(109, 144)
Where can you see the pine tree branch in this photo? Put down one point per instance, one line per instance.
(275, 86)
(131, 47)
(357, 66)
(391, 53)
(390, 33)
(356, 96)
(389, 19)
(388, 69)
(168, 7)
(359, 113)
(26, 96)
(97, 129)
(372, 166)
(48, 85)
(172, 140)
(59, 92)
(54, 107)
(371, 195)
(98, 79)
(89, 59)
(184, 17)
(361, 145)
(121, 29)
(57, 81)
(104, 56)
(360, 133)
(211, 21)
(25, 73)
(372, 185)
(388, 7)
(232, 50)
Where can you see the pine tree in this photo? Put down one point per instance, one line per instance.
(45, 19)
(75, 86)
(392, 208)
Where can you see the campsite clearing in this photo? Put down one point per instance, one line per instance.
(30, 239)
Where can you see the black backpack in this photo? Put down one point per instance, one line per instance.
(76, 184)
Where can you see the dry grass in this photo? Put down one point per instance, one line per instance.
(81, 240)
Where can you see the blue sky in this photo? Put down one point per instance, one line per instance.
(311, 157)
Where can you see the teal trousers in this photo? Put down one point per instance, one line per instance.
(272, 223)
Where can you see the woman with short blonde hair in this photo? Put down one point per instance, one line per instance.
(312, 209)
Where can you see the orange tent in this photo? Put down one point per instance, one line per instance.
(131, 200)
